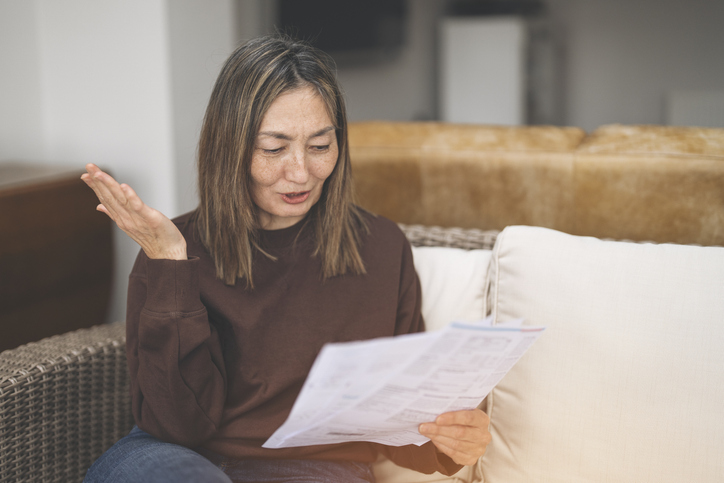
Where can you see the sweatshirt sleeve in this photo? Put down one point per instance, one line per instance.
(426, 458)
(175, 361)
(409, 302)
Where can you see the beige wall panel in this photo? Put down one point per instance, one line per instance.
(651, 197)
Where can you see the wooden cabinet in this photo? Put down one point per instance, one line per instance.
(56, 254)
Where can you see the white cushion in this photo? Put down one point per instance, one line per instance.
(452, 283)
(627, 382)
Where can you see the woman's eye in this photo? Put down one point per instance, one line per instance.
(272, 151)
(320, 148)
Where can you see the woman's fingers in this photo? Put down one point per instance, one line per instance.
(133, 200)
(103, 185)
(110, 189)
(462, 435)
(463, 452)
(120, 202)
(152, 230)
(472, 418)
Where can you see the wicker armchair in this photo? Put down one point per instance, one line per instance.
(65, 400)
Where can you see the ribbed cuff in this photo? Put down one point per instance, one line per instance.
(173, 285)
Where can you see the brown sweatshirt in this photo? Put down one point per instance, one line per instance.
(219, 367)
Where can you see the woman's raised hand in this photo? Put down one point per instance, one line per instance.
(157, 235)
(462, 435)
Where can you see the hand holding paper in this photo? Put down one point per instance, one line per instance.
(381, 390)
(462, 435)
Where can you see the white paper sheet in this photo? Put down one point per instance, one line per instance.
(380, 390)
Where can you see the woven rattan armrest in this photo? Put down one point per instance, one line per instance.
(435, 236)
(63, 402)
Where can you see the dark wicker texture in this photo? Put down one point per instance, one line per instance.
(435, 236)
(65, 400)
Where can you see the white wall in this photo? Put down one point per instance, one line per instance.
(105, 86)
(21, 111)
(120, 83)
(202, 34)
(623, 56)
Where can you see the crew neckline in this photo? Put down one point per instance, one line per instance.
(282, 236)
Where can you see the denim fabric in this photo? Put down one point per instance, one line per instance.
(298, 471)
(139, 458)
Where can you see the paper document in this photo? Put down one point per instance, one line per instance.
(380, 390)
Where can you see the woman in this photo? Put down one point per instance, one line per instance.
(229, 305)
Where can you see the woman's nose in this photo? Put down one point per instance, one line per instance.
(297, 170)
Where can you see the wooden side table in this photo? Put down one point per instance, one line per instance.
(56, 253)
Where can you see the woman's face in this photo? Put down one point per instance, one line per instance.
(295, 151)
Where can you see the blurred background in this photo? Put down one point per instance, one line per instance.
(124, 83)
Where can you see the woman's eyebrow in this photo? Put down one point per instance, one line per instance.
(285, 137)
(322, 131)
(274, 134)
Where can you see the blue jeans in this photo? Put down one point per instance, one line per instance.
(139, 457)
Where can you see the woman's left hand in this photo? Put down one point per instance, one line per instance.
(462, 435)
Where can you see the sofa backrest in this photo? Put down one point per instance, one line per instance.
(657, 183)
(626, 182)
(626, 382)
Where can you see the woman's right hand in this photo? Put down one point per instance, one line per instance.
(157, 235)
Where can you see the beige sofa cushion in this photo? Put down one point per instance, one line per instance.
(627, 383)
(452, 282)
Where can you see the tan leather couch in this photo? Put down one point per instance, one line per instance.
(664, 184)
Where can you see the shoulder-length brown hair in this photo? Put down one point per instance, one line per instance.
(227, 219)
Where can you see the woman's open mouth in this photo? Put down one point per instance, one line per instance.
(295, 198)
